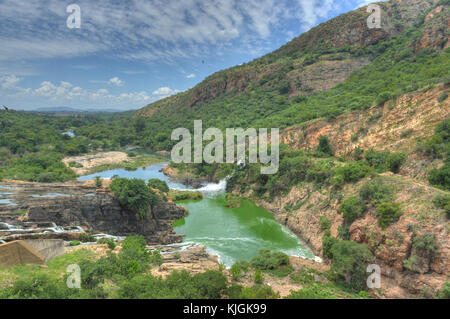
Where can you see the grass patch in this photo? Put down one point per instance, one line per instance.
(18, 212)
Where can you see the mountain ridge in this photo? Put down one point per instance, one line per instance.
(313, 63)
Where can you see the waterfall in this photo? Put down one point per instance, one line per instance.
(209, 189)
(10, 227)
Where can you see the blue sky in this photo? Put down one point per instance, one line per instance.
(128, 54)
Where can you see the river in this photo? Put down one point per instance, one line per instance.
(231, 233)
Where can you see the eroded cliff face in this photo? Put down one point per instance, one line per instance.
(94, 210)
(395, 126)
(408, 269)
(394, 247)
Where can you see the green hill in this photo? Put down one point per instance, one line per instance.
(339, 66)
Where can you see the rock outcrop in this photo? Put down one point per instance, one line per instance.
(96, 211)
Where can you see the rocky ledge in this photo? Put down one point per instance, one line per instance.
(32, 208)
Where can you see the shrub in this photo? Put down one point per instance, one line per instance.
(41, 286)
(258, 277)
(178, 285)
(75, 243)
(353, 172)
(383, 98)
(98, 182)
(425, 243)
(423, 246)
(210, 284)
(324, 147)
(443, 202)
(327, 244)
(267, 260)
(134, 194)
(442, 97)
(315, 291)
(158, 184)
(324, 222)
(438, 145)
(440, 177)
(394, 161)
(235, 271)
(87, 238)
(352, 208)
(389, 213)
(377, 159)
(344, 231)
(75, 165)
(375, 192)
(107, 241)
(445, 292)
(407, 133)
(350, 260)
(134, 248)
(358, 154)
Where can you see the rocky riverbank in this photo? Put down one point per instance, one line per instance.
(30, 210)
(186, 178)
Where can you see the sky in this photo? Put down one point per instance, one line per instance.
(127, 54)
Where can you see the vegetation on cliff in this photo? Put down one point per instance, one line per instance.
(283, 97)
(134, 194)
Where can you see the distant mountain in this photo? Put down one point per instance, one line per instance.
(74, 110)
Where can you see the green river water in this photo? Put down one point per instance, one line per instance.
(231, 233)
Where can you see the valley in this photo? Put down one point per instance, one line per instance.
(363, 177)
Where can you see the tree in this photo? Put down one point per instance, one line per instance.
(352, 208)
(139, 124)
(389, 213)
(395, 161)
(350, 261)
(134, 194)
(327, 244)
(324, 146)
(158, 184)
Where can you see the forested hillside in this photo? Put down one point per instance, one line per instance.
(337, 67)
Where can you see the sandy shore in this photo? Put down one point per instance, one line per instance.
(93, 160)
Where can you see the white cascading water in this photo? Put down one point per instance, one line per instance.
(11, 227)
(210, 189)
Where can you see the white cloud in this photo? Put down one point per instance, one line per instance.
(9, 81)
(141, 29)
(65, 93)
(314, 10)
(190, 76)
(115, 81)
(165, 91)
(149, 30)
(102, 91)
